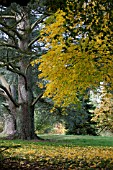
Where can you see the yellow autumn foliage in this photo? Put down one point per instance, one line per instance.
(75, 61)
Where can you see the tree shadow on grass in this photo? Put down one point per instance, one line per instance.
(21, 164)
(15, 163)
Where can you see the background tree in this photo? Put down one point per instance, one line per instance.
(103, 114)
(45, 120)
(78, 119)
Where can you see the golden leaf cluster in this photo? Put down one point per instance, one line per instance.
(78, 58)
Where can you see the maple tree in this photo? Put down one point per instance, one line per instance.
(79, 50)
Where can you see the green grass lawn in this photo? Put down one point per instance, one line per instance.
(58, 152)
(78, 140)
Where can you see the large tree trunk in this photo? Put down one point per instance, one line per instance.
(25, 117)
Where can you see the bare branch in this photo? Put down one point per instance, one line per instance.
(37, 98)
(6, 31)
(7, 17)
(4, 83)
(38, 21)
(8, 45)
(3, 94)
(11, 68)
(6, 28)
(33, 41)
(9, 95)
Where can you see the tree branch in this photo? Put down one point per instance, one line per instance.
(8, 45)
(38, 21)
(6, 28)
(6, 31)
(7, 17)
(33, 41)
(36, 100)
(3, 94)
(4, 83)
(11, 68)
(9, 95)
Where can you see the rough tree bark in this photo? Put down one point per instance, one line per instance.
(25, 117)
